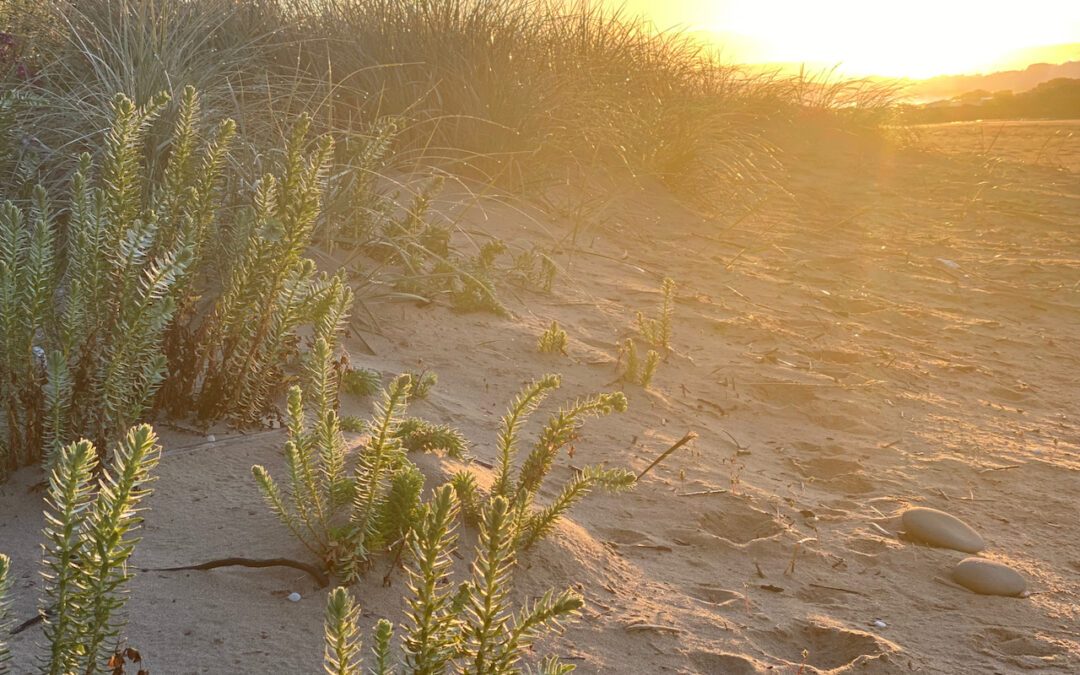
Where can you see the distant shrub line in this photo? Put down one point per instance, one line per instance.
(1056, 99)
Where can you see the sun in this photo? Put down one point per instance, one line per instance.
(918, 38)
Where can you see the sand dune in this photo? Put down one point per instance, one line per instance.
(902, 329)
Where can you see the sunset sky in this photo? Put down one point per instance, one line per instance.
(913, 38)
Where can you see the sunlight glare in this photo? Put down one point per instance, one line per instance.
(918, 38)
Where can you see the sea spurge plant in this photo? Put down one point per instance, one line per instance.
(342, 634)
(380, 458)
(384, 660)
(6, 580)
(468, 495)
(345, 515)
(127, 303)
(473, 289)
(524, 405)
(553, 340)
(634, 371)
(560, 430)
(84, 326)
(473, 628)
(27, 270)
(657, 332)
(423, 382)
(88, 543)
(313, 472)
(431, 641)
(70, 493)
(535, 526)
(342, 514)
(361, 381)
(532, 525)
(271, 289)
(485, 630)
(400, 510)
(417, 434)
(534, 269)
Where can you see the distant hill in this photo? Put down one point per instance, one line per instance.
(950, 86)
(1048, 88)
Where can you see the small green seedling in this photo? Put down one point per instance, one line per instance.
(637, 372)
(361, 381)
(657, 332)
(423, 381)
(553, 340)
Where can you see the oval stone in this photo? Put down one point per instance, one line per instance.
(938, 528)
(988, 577)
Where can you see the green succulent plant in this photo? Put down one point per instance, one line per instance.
(470, 628)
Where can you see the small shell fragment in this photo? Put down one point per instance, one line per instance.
(294, 597)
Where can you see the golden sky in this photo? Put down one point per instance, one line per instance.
(902, 38)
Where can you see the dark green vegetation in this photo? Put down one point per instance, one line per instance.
(1056, 99)
(119, 308)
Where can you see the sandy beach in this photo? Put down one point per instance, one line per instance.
(900, 329)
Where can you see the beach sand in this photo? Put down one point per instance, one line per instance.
(902, 328)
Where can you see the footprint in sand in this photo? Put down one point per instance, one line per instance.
(623, 536)
(836, 475)
(717, 596)
(719, 663)
(734, 520)
(828, 645)
(818, 596)
(1025, 650)
(869, 543)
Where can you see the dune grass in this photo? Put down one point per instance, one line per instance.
(517, 95)
(515, 89)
